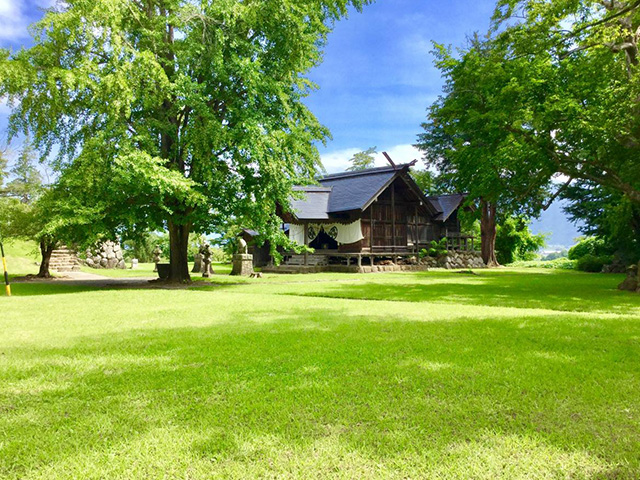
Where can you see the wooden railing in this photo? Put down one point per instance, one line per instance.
(456, 242)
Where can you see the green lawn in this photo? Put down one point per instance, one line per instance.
(146, 270)
(504, 374)
(22, 257)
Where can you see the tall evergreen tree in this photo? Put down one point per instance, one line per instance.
(26, 181)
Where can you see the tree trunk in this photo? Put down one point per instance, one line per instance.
(488, 234)
(179, 244)
(46, 249)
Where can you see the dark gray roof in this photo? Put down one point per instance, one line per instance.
(353, 190)
(314, 204)
(348, 191)
(446, 204)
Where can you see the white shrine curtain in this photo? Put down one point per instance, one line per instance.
(342, 233)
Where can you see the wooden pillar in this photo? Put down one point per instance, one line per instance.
(393, 217)
(416, 239)
(306, 243)
(371, 228)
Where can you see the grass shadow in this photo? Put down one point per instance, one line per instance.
(566, 292)
(318, 391)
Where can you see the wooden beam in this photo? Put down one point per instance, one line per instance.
(371, 228)
(306, 243)
(391, 162)
(416, 240)
(393, 215)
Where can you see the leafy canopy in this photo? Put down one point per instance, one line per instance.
(468, 136)
(194, 108)
(362, 160)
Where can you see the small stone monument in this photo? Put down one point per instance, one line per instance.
(242, 261)
(205, 256)
(157, 254)
(134, 263)
(197, 263)
(632, 282)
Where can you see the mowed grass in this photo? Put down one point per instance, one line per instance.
(146, 270)
(504, 374)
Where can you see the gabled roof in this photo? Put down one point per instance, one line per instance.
(355, 191)
(446, 204)
(313, 204)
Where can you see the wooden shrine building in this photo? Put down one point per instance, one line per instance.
(377, 212)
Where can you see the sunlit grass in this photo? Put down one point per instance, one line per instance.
(504, 374)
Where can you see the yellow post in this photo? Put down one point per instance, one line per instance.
(7, 287)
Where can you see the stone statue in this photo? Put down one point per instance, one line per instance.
(157, 254)
(205, 256)
(242, 260)
(242, 247)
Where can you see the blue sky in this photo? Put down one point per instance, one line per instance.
(378, 78)
(375, 83)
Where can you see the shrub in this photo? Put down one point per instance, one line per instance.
(559, 263)
(592, 263)
(436, 249)
(594, 246)
(514, 241)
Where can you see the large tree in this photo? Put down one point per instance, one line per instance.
(588, 123)
(199, 101)
(468, 139)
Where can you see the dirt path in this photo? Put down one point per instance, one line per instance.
(93, 280)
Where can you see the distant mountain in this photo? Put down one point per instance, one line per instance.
(556, 223)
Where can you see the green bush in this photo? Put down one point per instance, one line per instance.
(514, 241)
(559, 263)
(592, 263)
(436, 249)
(594, 246)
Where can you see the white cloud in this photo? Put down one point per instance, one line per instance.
(9, 7)
(399, 154)
(338, 161)
(13, 21)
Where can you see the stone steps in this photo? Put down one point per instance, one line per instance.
(64, 259)
(312, 260)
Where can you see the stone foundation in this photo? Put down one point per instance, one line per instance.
(455, 259)
(106, 255)
(242, 264)
(344, 268)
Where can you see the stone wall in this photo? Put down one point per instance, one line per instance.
(455, 259)
(106, 255)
